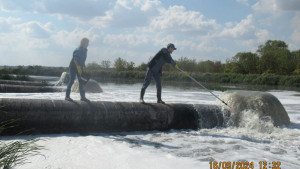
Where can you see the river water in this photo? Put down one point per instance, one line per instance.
(175, 149)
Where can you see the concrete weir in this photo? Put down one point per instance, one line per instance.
(24, 83)
(8, 88)
(15, 86)
(59, 116)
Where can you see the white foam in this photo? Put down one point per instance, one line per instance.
(93, 152)
(173, 149)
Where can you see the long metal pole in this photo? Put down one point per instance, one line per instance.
(204, 87)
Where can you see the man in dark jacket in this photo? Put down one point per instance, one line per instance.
(154, 69)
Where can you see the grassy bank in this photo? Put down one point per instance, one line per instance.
(15, 152)
(225, 78)
(249, 79)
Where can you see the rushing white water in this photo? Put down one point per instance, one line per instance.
(254, 141)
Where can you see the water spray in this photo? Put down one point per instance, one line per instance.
(203, 87)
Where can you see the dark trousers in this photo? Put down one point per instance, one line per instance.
(72, 75)
(148, 78)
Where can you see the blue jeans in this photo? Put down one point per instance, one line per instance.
(148, 79)
(72, 75)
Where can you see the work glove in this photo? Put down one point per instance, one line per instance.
(79, 69)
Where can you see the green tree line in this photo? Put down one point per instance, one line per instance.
(273, 57)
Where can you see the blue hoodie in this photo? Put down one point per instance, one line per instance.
(157, 62)
(79, 55)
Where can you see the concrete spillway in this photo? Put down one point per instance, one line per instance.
(59, 116)
(15, 86)
(24, 83)
(12, 86)
(8, 88)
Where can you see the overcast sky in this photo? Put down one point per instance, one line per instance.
(45, 32)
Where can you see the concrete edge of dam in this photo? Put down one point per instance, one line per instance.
(37, 116)
(10, 88)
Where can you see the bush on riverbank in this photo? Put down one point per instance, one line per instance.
(229, 78)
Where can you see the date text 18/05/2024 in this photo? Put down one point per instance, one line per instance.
(244, 165)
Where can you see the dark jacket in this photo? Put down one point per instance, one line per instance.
(157, 62)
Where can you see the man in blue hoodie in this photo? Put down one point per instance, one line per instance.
(154, 69)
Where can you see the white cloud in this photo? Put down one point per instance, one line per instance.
(129, 13)
(280, 8)
(6, 24)
(24, 35)
(35, 29)
(261, 36)
(178, 19)
(245, 33)
(127, 40)
(242, 30)
(70, 39)
(19, 49)
(266, 6)
(39, 44)
(191, 32)
(245, 2)
(112, 13)
(148, 27)
(131, 29)
(9, 20)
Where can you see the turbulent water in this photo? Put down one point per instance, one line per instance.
(254, 141)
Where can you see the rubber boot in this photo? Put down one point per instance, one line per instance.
(142, 95)
(83, 98)
(159, 97)
(68, 98)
